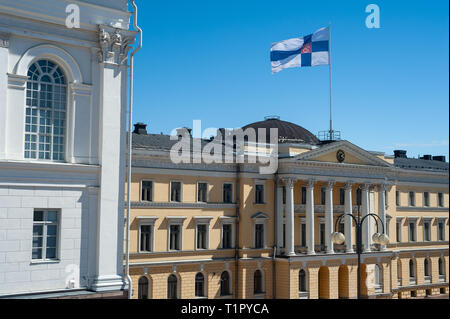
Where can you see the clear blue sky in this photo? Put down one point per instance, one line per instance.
(209, 60)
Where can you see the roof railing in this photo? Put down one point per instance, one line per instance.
(329, 136)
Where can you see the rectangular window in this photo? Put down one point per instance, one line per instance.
(412, 199)
(303, 234)
(358, 196)
(398, 231)
(440, 200)
(412, 231)
(441, 234)
(174, 237)
(259, 235)
(388, 222)
(147, 191)
(397, 198)
(284, 235)
(202, 233)
(228, 193)
(146, 238)
(303, 195)
(322, 234)
(259, 194)
(322, 196)
(45, 235)
(426, 231)
(284, 195)
(226, 236)
(202, 192)
(175, 191)
(341, 228)
(426, 199)
(342, 196)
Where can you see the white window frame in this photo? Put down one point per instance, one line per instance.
(438, 203)
(260, 221)
(427, 220)
(202, 220)
(413, 204)
(427, 278)
(141, 189)
(378, 286)
(228, 221)
(207, 191)
(146, 221)
(398, 235)
(175, 220)
(44, 236)
(232, 192)
(412, 280)
(205, 285)
(424, 199)
(263, 183)
(181, 191)
(306, 280)
(412, 220)
(178, 285)
(441, 220)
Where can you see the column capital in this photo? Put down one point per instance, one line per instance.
(348, 185)
(311, 183)
(366, 186)
(384, 187)
(289, 182)
(330, 185)
(114, 44)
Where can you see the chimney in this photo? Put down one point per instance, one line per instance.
(439, 158)
(400, 154)
(427, 157)
(182, 131)
(140, 128)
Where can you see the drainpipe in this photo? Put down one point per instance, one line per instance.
(130, 147)
(274, 277)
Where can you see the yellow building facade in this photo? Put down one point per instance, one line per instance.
(216, 230)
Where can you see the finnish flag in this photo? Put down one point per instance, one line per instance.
(310, 50)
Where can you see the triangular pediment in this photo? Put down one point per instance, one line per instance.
(342, 152)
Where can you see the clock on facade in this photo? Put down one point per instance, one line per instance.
(340, 155)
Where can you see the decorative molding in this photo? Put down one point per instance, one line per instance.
(115, 44)
(421, 209)
(182, 205)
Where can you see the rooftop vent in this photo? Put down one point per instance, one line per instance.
(400, 154)
(271, 117)
(439, 158)
(140, 128)
(427, 157)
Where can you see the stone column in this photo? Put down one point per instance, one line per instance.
(310, 217)
(382, 210)
(348, 219)
(4, 53)
(279, 215)
(329, 218)
(290, 248)
(365, 227)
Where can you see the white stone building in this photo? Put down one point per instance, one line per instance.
(63, 94)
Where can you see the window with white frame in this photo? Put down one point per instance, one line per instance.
(45, 235)
(143, 288)
(175, 232)
(146, 237)
(225, 284)
(175, 191)
(426, 199)
(45, 112)
(146, 191)
(378, 279)
(427, 229)
(202, 236)
(227, 235)
(228, 193)
(172, 287)
(302, 283)
(441, 230)
(199, 285)
(440, 199)
(441, 269)
(259, 193)
(426, 270)
(412, 229)
(259, 234)
(398, 230)
(202, 192)
(412, 199)
(412, 271)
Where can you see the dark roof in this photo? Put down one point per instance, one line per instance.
(157, 141)
(420, 164)
(287, 131)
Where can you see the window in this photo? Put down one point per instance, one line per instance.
(172, 287)
(341, 227)
(228, 193)
(303, 195)
(388, 224)
(426, 270)
(322, 234)
(441, 230)
(199, 285)
(341, 196)
(303, 234)
(426, 231)
(398, 231)
(146, 191)
(284, 195)
(174, 237)
(45, 235)
(225, 284)
(426, 199)
(202, 192)
(412, 271)
(397, 198)
(284, 235)
(175, 191)
(378, 279)
(302, 281)
(322, 196)
(259, 194)
(412, 231)
(45, 112)
(258, 282)
(146, 238)
(143, 288)
(202, 239)
(441, 267)
(412, 199)
(227, 234)
(358, 196)
(259, 235)
(440, 200)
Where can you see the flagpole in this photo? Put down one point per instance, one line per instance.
(331, 104)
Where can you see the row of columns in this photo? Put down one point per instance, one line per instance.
(329, 220)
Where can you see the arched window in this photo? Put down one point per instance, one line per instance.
(302, 281)
(143, 288)
(412, 270)
(225, 284)
(258, 282)
(45, 112)
(172, 287)
(199, 285)
(378, 279)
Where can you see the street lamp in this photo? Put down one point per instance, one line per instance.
(378, 238)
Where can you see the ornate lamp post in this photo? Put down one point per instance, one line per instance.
(378, 238)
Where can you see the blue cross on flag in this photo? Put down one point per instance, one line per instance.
(311, 50)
